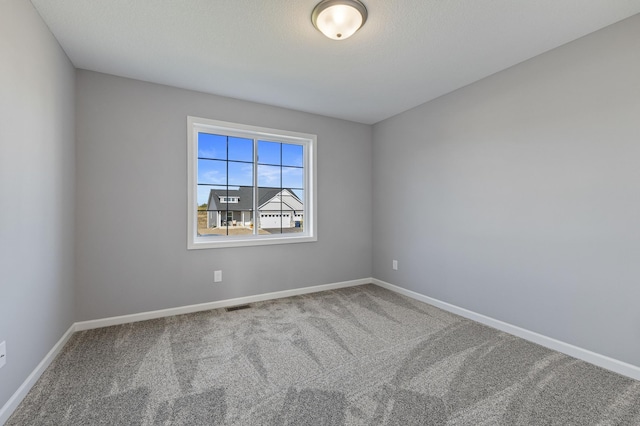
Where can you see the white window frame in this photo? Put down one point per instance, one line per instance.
(309, 141)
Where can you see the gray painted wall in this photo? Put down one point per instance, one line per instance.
(36, 192)
(132, 202)
(527, 185)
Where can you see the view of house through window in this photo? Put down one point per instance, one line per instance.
(249, 184)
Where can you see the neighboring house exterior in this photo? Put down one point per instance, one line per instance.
(277, 208)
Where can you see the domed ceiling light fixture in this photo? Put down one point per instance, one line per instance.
(339, 19)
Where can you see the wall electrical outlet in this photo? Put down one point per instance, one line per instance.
(3, 354)
(217, 276)
(395, 265)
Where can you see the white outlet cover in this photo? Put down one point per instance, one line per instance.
(3, 354)
(217, 276)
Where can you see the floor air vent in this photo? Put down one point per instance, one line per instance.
(237, 308)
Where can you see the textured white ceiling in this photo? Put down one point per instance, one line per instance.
(408, 52)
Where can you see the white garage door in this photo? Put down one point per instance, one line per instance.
(275, 220)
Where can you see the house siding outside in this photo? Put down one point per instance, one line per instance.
(278, 208)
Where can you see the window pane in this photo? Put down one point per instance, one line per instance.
(208, 210)
(292, 155)
(299, 193)
(241, 149)
(238, 217)
(270, 222)
(269, 176)
(242, 211)
(298, 215)
(203, 196)
(298, 222)
(292, 177)
(203, 227)
(269, 210)
(240, 174)
(269, 198)
(230, 211)
(269, 152)
(212, 172)
(212, 146)
(290, 201)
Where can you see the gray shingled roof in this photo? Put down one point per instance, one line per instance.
(245, 198)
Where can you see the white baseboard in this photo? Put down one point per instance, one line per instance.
(23, 390)
(143, 316)
(603, 361)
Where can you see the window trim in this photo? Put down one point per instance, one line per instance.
(309, 141)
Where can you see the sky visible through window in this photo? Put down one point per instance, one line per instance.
(226, 161)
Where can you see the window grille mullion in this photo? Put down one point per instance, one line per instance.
(255, 187)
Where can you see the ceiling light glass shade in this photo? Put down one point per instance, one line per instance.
(339, 19)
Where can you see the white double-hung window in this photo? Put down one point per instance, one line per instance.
(249, 185)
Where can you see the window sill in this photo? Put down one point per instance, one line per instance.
(247, 241)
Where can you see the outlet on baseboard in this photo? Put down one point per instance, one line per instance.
(217, 276)
(3, 354)
(395, 265)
